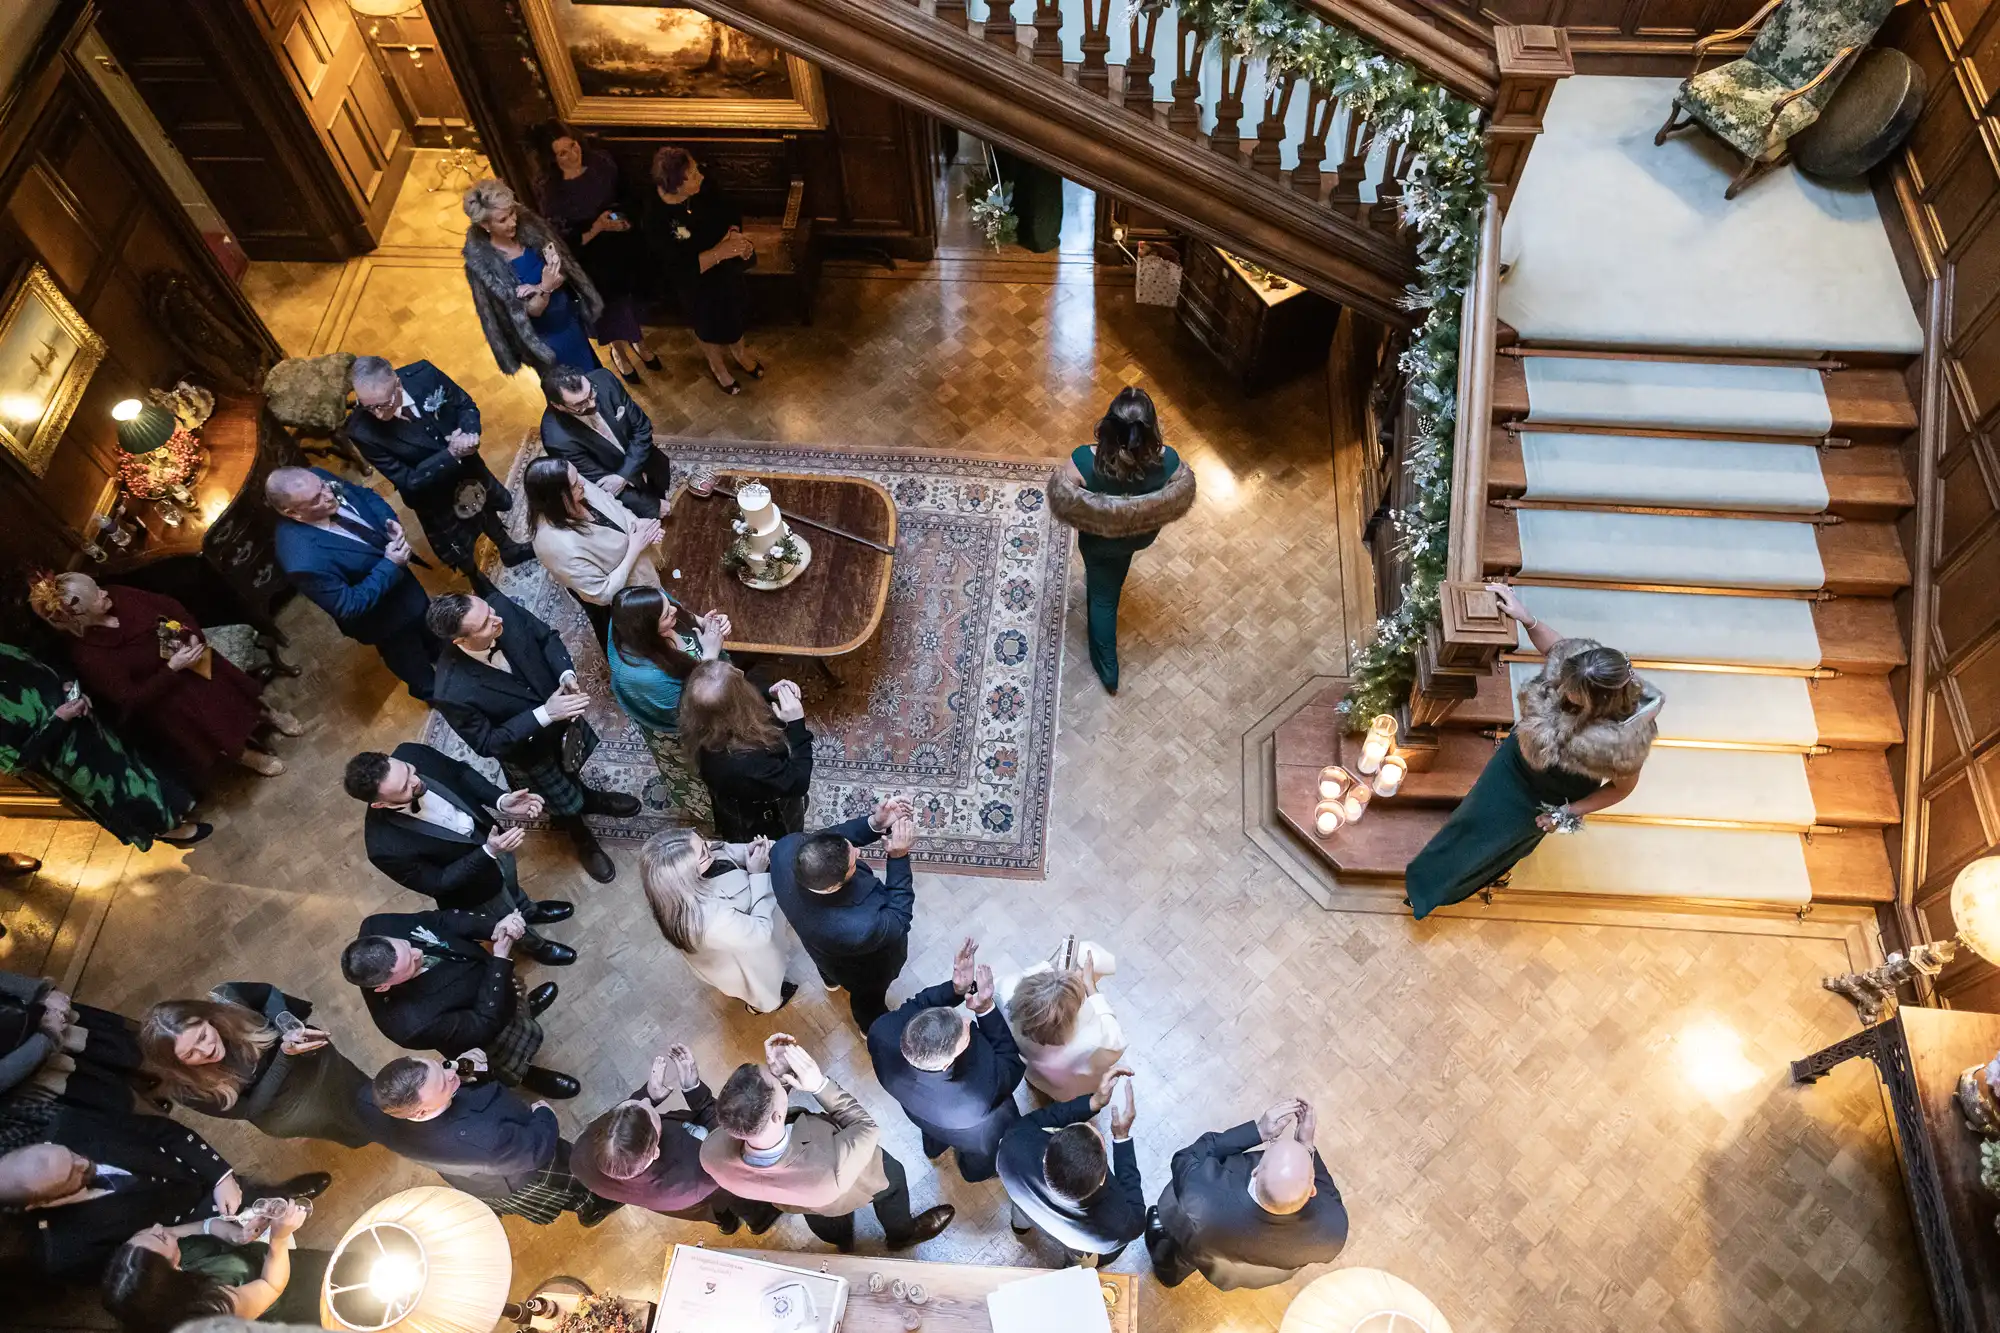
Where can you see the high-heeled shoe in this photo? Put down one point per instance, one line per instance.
(755, 372)
(732, 388)
(650, 362)
(201, 831)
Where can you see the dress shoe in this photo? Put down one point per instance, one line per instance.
(519, 553)
(16, 863)
(614, 803)
(551, 954)
(589, 853)
(729, 1224)
(540, 998)
(596, 1211)
(549, 910)
(308, 1186)
(548, 1083)
(925, 1226)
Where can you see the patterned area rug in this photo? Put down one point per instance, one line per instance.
(953, 702)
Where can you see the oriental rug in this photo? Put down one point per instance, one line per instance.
(954, 702)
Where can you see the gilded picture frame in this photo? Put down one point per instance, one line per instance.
(626, 62)
(47, 356)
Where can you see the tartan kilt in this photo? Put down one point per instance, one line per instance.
(552, 1192)
(543, 775)
(509, 1054)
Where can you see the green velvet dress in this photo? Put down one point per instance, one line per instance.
(234, 1265)
(83, 759)
(1106, 560)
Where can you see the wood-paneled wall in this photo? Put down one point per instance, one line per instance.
(1610, 36)
(1953, 165)
(78, 194)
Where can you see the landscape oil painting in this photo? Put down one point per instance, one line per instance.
(645, 64)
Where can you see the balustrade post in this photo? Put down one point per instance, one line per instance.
(1347, 177)
(1227, 136)
(949, 11)
(1387, 214)
(1320, 107)
(1267, 159)
(1184, 116)
(1139, 65)
(1000, 28)
(1048, 49)
(1093, 75)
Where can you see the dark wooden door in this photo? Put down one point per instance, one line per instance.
(406, 51)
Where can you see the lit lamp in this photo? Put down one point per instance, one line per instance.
(383, 9)
(1389, 776)
(142, 427)
(1380, 740)
(1975, 907)
(1362, 1300)
(427, 1260)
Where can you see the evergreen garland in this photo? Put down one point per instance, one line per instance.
(1443, 197)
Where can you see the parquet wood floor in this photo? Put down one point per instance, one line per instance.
(1546, 1127)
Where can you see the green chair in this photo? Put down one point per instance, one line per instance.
(1797, 60)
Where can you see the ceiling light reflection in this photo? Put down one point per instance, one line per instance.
(1713, 1062)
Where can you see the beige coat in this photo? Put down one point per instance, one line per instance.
(743, 938)
(584, 561)
(832, 1166)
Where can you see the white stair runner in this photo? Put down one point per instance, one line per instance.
(1682, 626)
(1678, 395)
(1643, 860)
(1731, 786)
(1669, 548)
(1673, 473)
(1721, 706)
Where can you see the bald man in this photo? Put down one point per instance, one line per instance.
(1248, 1207)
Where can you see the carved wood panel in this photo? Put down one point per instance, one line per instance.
(406, 51)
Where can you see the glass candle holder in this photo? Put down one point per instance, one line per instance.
(1329, 817)
(1389, 778)
(1376, 745)
(1355, 803)
(1334, 782)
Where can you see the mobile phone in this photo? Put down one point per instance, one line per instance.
(72, 692)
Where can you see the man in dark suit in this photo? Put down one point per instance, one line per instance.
(953, 1073)
(422, 431)
(484, 1140)
(507, 686)
(429, 986)
(1053, 1165)
(640, 1154)
(593, 423)
(432, 827)
(103, 1175)
(855, 926)
(1247, 1218)
(342, 547)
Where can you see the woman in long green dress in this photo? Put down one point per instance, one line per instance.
(1587, 723)
(1118, 494)
(47, 728)
(653, 644)
(165, 1275)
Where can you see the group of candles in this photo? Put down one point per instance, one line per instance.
(1344, 796)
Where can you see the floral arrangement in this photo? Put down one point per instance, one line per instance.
(993, 213)
(158, 473)
(602, 1314)
(1443, 197)
(775, 564)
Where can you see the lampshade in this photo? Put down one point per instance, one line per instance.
(1975, 907)
(427, 1260)
(383, 9)
(142, 427)
(1362, 1300)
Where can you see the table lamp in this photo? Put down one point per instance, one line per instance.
(1975, 907)
(427, 1260)
(1362, 1300)
(142, 427)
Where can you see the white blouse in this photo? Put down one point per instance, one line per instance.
(1074, 1068)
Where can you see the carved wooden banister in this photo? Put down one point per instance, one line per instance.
(1467, 67)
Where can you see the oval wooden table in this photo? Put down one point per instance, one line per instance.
(831, 609)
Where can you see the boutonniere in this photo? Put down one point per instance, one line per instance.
(422, 935)
(681, 233)
(618, 413)
(434, 401)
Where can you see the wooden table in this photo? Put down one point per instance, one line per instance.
(957, 1291)
(1919, 1054)
(832, 608)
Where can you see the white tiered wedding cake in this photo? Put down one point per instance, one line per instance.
(772, 555)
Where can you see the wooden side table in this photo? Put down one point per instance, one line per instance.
(957, 1292)
(1919, 1054)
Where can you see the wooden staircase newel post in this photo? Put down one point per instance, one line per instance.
(1347, 177)
(1533, 58)
(1227, 136)
(1184, 116)
(1093, 75)
(950, 11)
(1139, 65)
(1048, 49)
(1267, 159)
(1000, 28)
(1320, 106)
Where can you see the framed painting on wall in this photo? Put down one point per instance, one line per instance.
(624, 62)
(47, 356)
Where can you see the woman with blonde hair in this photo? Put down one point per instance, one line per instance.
(247, 1053)
(536, 304)
(751, 748)
(713, 901)
(1062, 1023)
(1587, 723)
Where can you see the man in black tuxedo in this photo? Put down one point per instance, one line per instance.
(484, 1140)
(593, 423)
(507, 686)
(432, 827)
(953, 1073)
(422, 431)
(102, 1176)
(855, 926)
(429, 986)
(1247, 1218)
(1053, 1164)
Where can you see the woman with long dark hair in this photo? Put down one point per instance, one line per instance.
(695, 235)
(655, 643)
(1587, 723)
(1118, 494)
(713, 902)
(589, 543)
(247, 1053)
(751, 748)
(165, 1276)
(579, 192)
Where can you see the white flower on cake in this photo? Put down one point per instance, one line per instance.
(766, 554)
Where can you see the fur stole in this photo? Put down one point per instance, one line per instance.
(502, 315)
(1104, 515)
(1551, 737)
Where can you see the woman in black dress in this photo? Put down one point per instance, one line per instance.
(752, 749)
(696, 239)
(578, 191)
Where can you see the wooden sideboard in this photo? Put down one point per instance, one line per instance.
(1919, 1054)
(1263, 334)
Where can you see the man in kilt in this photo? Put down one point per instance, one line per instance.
(507, 686)
(430, 986)
(482, 1139)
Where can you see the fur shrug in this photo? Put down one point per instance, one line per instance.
(1102, 514)
(504, 316)
(1552, 737)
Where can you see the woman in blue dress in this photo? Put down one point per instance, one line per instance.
(536, 304)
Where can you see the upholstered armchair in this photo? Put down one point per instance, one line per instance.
(1802, 50)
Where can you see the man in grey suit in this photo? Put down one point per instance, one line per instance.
(593, 424)
(1247, 1218)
